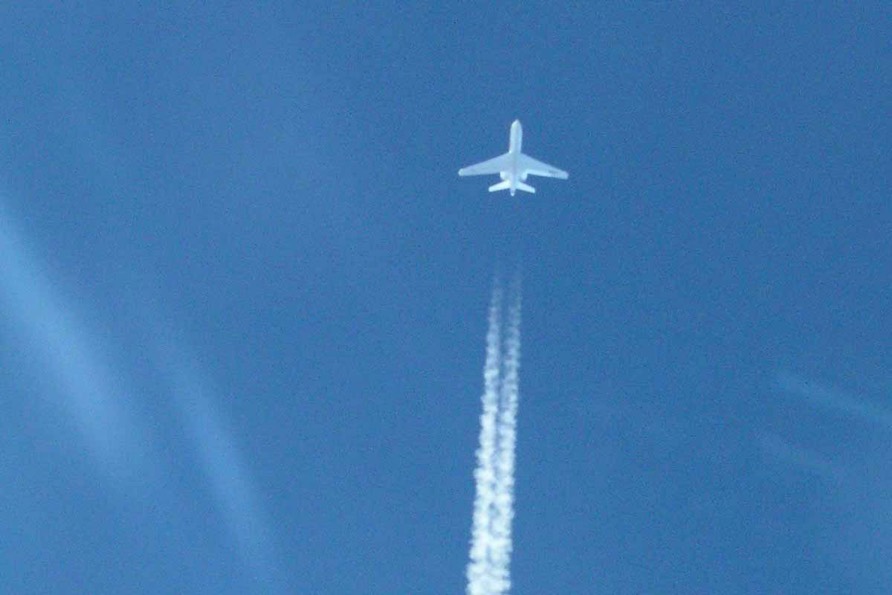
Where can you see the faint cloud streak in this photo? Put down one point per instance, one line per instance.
(834, 400)
(90, 395)
(810, 461)
(222, 463)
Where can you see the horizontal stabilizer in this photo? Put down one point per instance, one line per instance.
(525, 187)
(506, 185)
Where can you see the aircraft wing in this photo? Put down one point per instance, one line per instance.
(490, 166)
(537, 168)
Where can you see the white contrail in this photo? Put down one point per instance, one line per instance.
(489, 567)
(507, 428)
(479, 568)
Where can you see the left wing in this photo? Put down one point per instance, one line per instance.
(490, 166)
(537, 168)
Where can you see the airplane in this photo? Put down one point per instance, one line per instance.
(513, 167)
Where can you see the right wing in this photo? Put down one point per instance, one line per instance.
(490, 166)
(537, 168)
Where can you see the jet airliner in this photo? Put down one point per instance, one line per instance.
(514, 166)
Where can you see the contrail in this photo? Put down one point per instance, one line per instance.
(507, 426)
(479, 568)
(489, 567)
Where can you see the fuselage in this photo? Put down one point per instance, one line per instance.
(515, 144)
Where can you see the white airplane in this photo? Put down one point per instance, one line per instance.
(513, 167)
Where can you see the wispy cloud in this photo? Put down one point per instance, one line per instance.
(835, 400)
(221, 461)
(80, 377)
(802, 458)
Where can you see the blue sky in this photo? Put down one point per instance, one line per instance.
(243, 295)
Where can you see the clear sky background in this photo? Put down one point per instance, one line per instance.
(243, 295)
